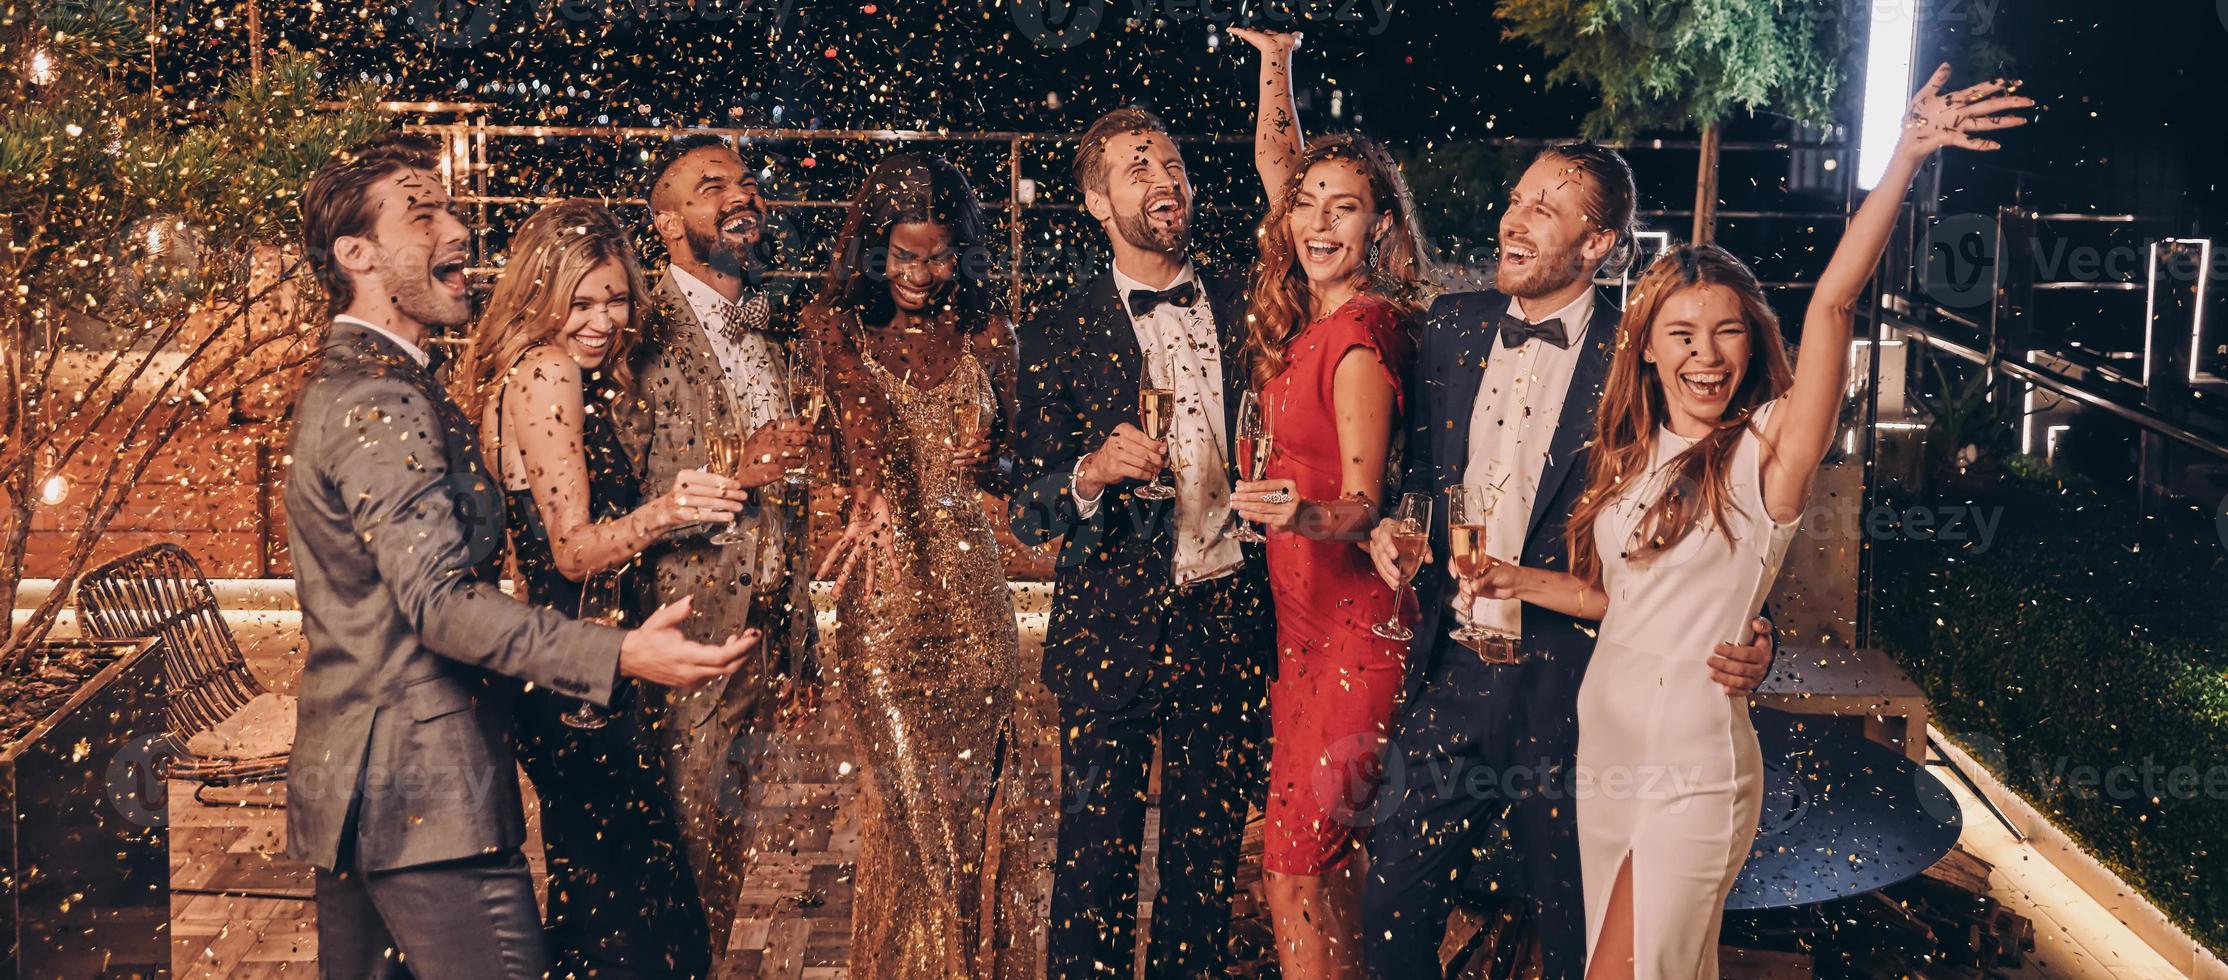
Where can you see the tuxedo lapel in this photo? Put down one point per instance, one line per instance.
(1474, 327)
(1111, 340)
(1574, 427)
(692, 348)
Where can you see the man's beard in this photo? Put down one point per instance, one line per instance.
(1137, 231)
(716, 251)
(1544, 277)
(415, 294)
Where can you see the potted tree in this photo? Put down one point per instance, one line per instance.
(1680, 64)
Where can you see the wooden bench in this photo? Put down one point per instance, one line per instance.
(1850, 683)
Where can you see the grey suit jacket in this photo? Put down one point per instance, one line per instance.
(405, 712)
(681, 391)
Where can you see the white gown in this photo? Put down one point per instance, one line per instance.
(1668, 766)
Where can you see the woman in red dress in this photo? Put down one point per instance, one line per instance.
(1335, 285)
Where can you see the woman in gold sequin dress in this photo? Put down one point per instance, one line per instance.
(920, 372)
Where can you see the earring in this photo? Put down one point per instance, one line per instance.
(1369, 259)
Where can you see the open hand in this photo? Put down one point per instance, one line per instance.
(657, 652)
(1935, 120)
(1269, 43)
(867, 536)
(699, 497)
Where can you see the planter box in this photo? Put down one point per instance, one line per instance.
(84, 846)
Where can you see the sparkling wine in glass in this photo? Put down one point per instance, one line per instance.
(1255, 443)
(811, 404)
(967, 426)
(1156, 414)
(723, 454)
(1411, 538)
(1468, 510)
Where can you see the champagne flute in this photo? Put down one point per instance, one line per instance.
(1156, 414)
(1411, 537)
(810, 401)
(601, 601)
(1468, 509)
(1255, 444)
(967, 426)
(723, 454)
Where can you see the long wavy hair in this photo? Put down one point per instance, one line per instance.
(908, 187)
(550, 254)
(1633, 410)
(1280, 297)
(902, 188)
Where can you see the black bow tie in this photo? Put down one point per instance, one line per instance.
(1182, 294)
(1515, 330)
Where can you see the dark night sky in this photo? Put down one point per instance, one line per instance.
(2125, 130)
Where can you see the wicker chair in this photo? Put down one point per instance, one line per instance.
(225, 729)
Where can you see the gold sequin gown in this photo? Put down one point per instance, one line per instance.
(928, 664)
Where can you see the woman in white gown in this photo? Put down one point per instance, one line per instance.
(1702, 458)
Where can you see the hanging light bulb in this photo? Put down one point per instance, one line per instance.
(56, 487)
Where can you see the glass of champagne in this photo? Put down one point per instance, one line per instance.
(1468, 509)
(1156, 414)
(723, 454)
(1411, 538)
(1255, 443)
(601, 601)
(810, 401)
(967, 426)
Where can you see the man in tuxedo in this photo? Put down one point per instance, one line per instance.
(709, 364)
(1160, 630)
(1504, 387)
(403, 790)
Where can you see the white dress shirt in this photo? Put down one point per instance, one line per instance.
(1512, 426)
(1184, 340)
(416, 352)
(755, 372)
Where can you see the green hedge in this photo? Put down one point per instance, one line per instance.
(2084, 654)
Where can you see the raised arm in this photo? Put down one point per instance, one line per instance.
(1276, 130)
(543, 417)
(1802, 427)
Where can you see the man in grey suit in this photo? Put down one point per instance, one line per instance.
(403, 792)
(707, 365)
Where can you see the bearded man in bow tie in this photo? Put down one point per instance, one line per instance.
(1160, 630)
(708, 366)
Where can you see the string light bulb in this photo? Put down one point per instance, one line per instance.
(54, 490)
(39, 69)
